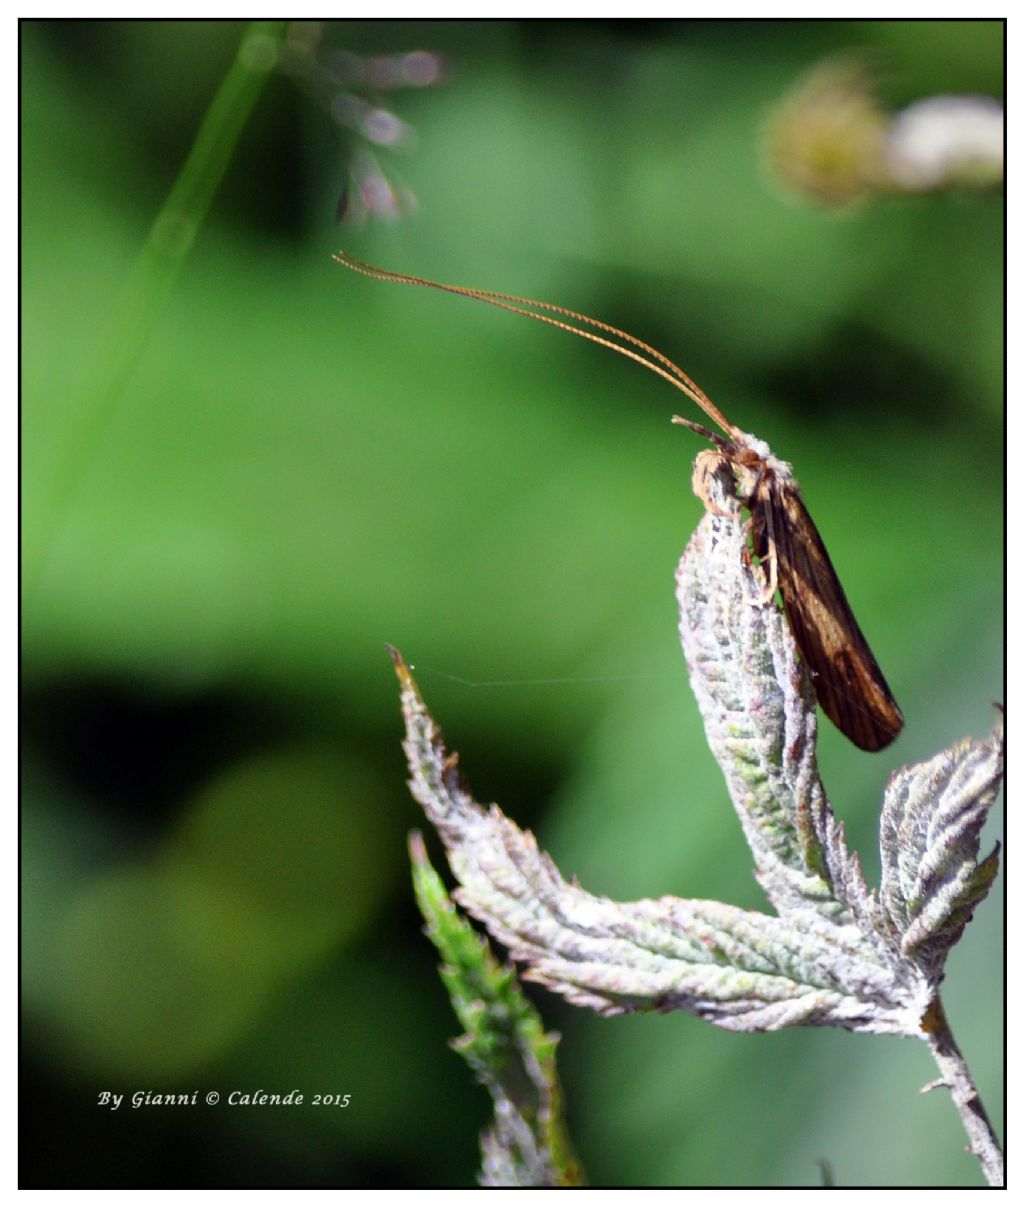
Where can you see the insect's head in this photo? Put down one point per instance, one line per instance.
(750, 450)
(742, 449)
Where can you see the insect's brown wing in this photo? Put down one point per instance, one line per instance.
(850, 687)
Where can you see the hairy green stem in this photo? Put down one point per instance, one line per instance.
(956, 1076)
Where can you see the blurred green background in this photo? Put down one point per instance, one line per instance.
(303, 465)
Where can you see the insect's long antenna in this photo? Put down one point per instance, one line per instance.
(649, 357)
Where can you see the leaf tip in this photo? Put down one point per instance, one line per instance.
(401, 669)
(417, 848)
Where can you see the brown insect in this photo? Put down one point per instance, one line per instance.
(848, 683)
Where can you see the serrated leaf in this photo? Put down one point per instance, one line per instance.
(759, 713)
(930, 836)
(742, 970)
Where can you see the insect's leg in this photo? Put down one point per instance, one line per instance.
(771, 556)
(755, 496)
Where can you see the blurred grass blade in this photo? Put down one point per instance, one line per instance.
(505, 1045)
(134, 313)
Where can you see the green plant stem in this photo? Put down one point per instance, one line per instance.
(136, 309)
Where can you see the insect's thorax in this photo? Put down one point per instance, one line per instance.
(755, 464)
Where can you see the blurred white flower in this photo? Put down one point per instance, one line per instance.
(946, 140)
